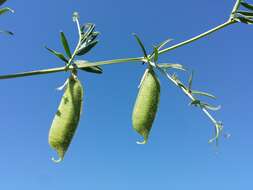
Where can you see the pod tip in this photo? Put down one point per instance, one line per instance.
(56, 161)
(143, 142)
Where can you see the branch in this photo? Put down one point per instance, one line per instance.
(79, 66)
(198, 36)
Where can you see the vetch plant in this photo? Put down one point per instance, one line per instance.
(67, 117)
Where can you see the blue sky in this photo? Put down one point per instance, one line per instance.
(103, 154)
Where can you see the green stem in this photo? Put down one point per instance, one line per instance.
(80, 66)
(116, 61)
(198, 37)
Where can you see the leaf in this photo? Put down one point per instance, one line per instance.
(2, 2)
(86, 48)
(65, 44)
(203, 94)
(171, 66)
(91, 69)
(162, 44)
(210, 107)
(93, 36)
(245, 13)
(5, 10)
(247, 6)
(244, 20)
(190, 82)
(57, 54)
(90, 29)
(141, 45)
(6, 32)
(156, 55)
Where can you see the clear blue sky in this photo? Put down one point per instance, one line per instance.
(103, 154)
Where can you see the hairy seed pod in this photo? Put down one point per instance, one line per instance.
(67, 117)
(146, 104)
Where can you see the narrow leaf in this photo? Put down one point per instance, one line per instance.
(190, 82)
(171, 66)
(162, 44)
(156, 55)
(90, 29)
(6, 32)
(245, 13)
(247, 6)
(141, 45)
(91, 69)
(5, 10)
(93, 36)
(85, 49)
(210, 107)
(65, 44)
(57, 54)
(203, 94)
(244, 20)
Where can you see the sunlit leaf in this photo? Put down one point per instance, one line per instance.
(5, 10)
(85, 49)
(171, 66)
(247, 5)
(65, 44)
(90, 30)
(162, 44)
(156, 55)
(57, 54)
(210, 107)
(91, 69)
(244, 20)
(245, 13)
(203, 94)
(141, 45)
(190, 82)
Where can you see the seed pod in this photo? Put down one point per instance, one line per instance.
(67, 117)
(146, 104)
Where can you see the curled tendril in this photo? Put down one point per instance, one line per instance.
(218, 129)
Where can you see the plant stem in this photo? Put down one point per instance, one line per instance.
(80, 66)
(116, 61)
(197, 37)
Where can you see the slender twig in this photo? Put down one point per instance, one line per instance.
(79, 66)
(197, 37)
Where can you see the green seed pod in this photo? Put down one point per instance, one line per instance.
(67, 117)
(146, 104)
